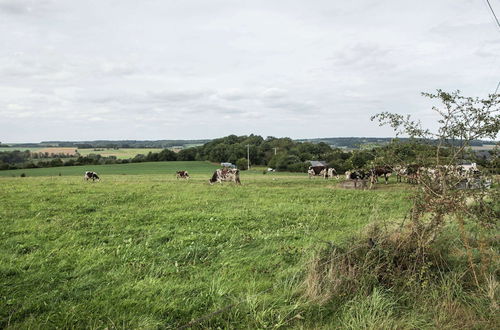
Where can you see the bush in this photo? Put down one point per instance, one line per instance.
(383, 273)
(298, 167)
(281, 162)
(242, 164)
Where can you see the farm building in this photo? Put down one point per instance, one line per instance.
(318, 163)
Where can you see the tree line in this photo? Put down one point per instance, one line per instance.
(282, 154)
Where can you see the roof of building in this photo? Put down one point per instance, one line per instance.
(315, 163)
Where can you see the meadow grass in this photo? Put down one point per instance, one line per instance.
(166, 168)
(151, 251)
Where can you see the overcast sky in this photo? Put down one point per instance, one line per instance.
(186, 69)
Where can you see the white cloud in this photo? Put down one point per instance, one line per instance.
(207, 69)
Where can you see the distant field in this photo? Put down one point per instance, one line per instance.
(123, 153)
(118, 153)
(57, 150)
(149, 251)
(165, 168)
(19, 148)
(484, 147)
(192, 145)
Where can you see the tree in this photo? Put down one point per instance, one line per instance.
(242, 164)
(461, 120)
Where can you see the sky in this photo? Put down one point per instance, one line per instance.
(193, 69)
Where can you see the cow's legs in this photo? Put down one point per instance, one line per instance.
(373, 180)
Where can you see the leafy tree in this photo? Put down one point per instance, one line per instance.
(461, 121)
(242, 164)
(167, 155)
(188, 154)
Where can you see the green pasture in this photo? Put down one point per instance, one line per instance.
(145, 250)
(165, 168)
(122, 153)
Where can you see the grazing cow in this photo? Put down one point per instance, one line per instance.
(378, 171)
(226, 174)
(325, 172)
(412, 173)
(182, 175)
(331, 173)
(356, 175)
(431, 174)
(359, 175)
(316, 171)
(401, 171)
(89, 175)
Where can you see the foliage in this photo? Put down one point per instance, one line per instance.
(283, 154)
(385, 279)
(446, 245)
(242, 164)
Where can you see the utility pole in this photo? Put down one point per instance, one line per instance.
(275, 150)
(248, 156)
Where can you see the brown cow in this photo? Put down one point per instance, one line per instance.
(378, 171)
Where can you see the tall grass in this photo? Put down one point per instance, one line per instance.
(151, 251)
(148, 251)
(386, 280)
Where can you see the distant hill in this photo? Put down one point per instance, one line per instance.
(360, 142)
(116, 144)
(336, 142)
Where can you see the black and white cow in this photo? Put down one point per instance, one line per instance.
(356, 175)
(400, 172)
(226, 174)
(411, 172)
(379, 171)
(323, 171)
(89, 175)
(331, 172)
(182, 175)
(315, 171)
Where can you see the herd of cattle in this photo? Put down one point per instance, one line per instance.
(412, 174)
(360, 174)
(220, 175)
(468, 174)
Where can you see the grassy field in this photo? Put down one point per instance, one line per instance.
(122, 153)
(149, 251)
(166, 168)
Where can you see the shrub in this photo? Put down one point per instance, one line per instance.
(298, 167)
(242, 164)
